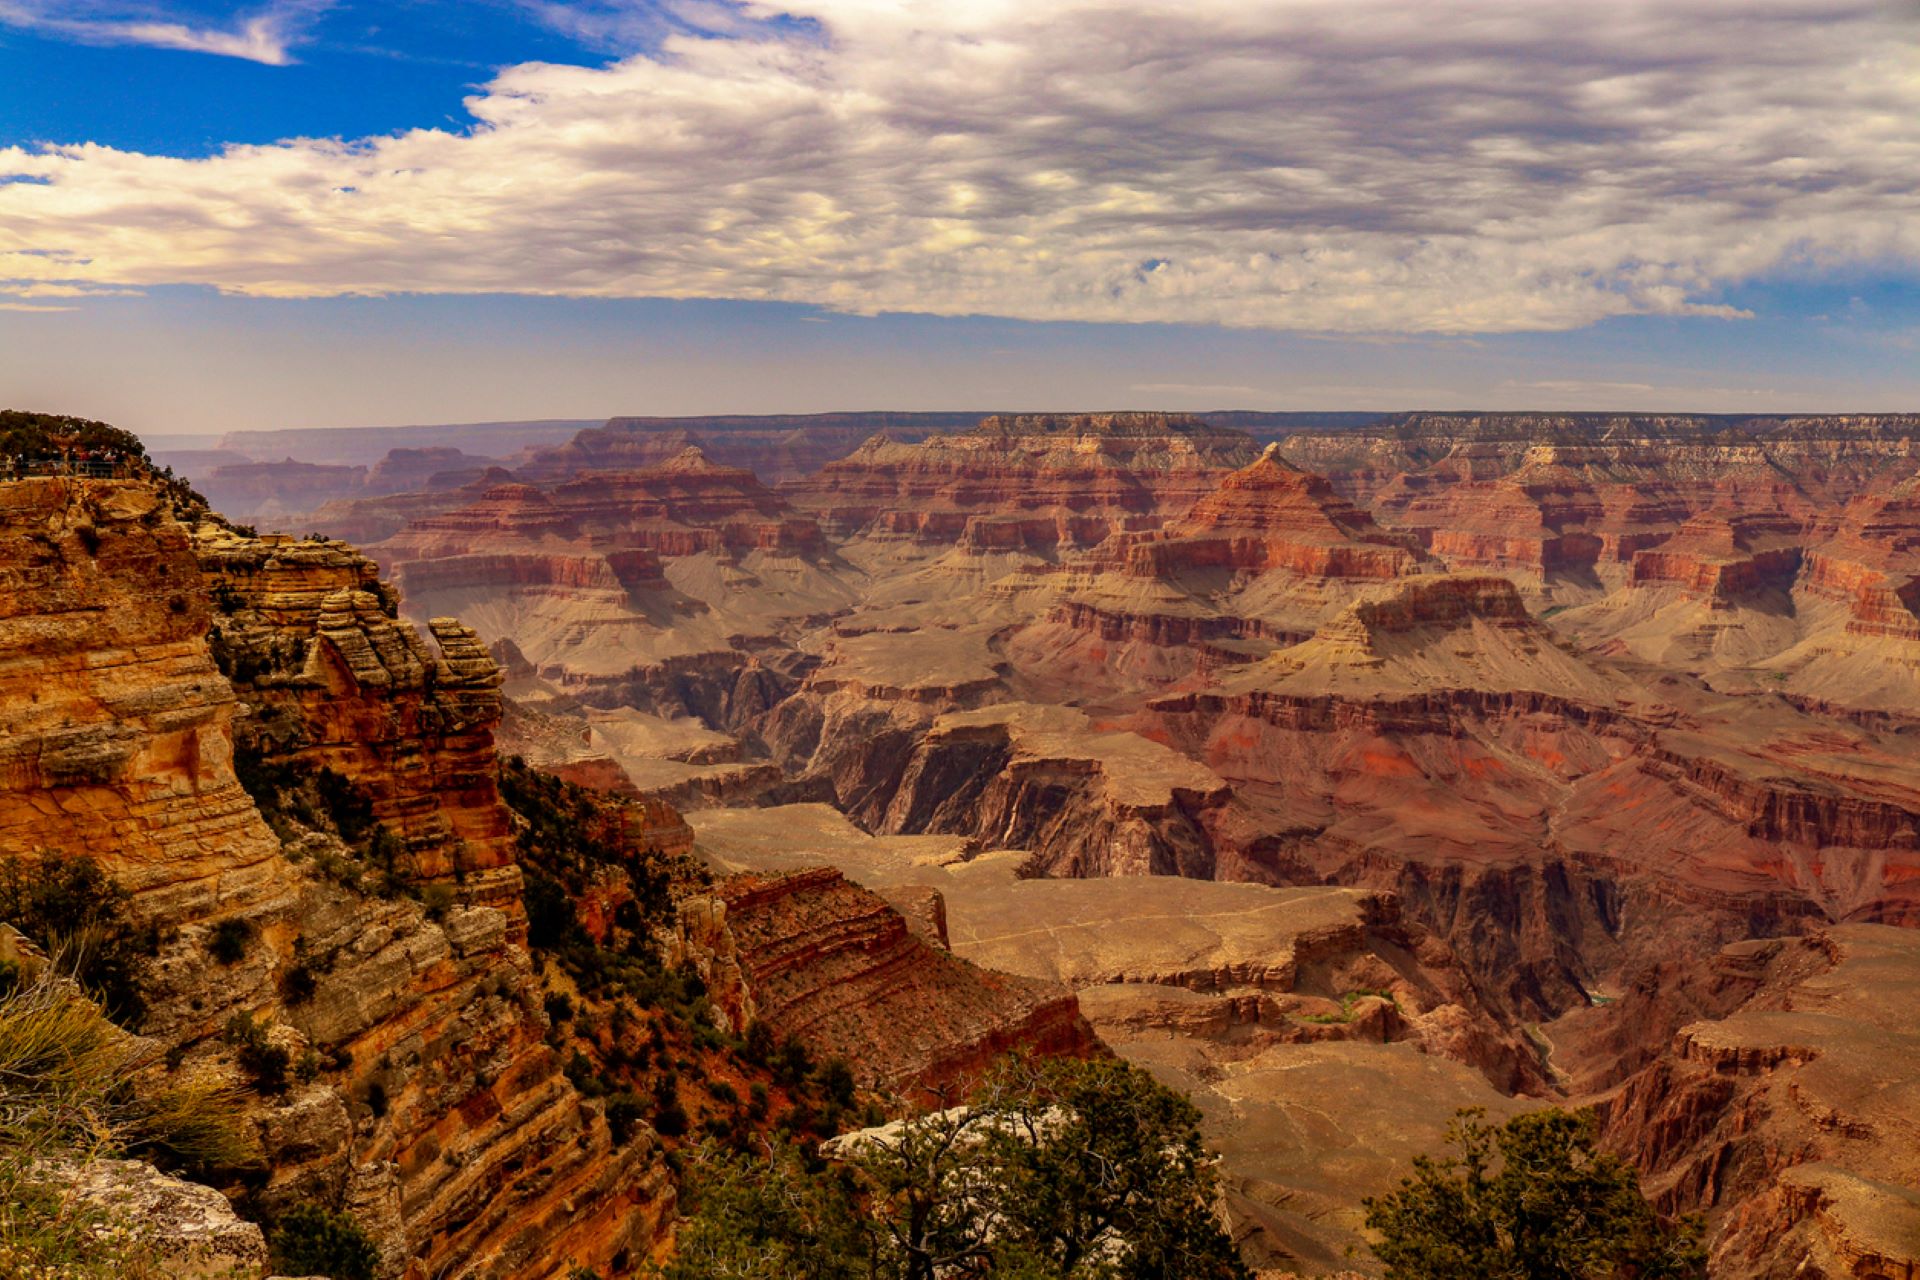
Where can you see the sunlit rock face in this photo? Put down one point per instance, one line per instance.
(119, 739)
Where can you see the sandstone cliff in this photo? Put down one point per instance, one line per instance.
(432, 1110)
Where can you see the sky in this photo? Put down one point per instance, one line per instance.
(321, 212)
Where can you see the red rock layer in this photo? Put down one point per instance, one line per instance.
(631, 519)
(1872, 563)
(1015, 480)
(691, 504)
(1270, 515)
(839, 967)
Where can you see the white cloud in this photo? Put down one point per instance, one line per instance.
(265, 37)
(61, 289)
(1349, 166)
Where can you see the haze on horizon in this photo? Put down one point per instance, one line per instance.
(329, 213)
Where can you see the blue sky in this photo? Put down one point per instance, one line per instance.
(506, 209)
(358, 69)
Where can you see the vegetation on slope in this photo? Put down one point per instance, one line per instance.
(72, 910)
(75, 1088)
(1529, 1200)
(1059, 1170)
(643, 1035)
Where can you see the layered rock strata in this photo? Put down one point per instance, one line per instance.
(839, 967)
(1036, 482)
(1793, 1120)
(339, 683)
(478, 1157)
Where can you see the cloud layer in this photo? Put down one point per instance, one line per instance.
(265, 36)
(1326, 165)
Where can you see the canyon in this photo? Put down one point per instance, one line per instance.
(1565, 705)
(1342, 773)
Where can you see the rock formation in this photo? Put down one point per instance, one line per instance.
(839, 967)
(479, 1156)
(1792, 1118)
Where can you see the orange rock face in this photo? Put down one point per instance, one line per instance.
(412, 728)
(481, 1159)
(115, 726)
(838, 966)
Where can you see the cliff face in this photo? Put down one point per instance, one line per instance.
(1791, 1120)
(1090, 474)
(116, 729)
(479, 1158)
(839, 967)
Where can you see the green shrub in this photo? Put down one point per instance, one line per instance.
(299, 982)
(623, 1116)
(79, 916)
(836, 1080)
(1061, 1168)
(229, 940)
(669, 1117)
(1531, 1197)
(308, 1240)
(265, 1063)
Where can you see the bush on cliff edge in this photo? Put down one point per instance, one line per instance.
(75, 912)
(1060, 1170)
(1529, 1200)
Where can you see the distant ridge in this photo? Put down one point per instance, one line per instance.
(364, 446)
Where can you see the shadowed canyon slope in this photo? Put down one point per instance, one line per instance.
(1562, 705)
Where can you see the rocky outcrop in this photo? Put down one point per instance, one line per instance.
(116, 728)
(432, 1108)
(1075, 477)
(1721, 557)
(342, 685)
(188, 1230)
(1790, 1120)
(1270, 515)
(1081, 801)
(839, 967)
(1872, 564)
